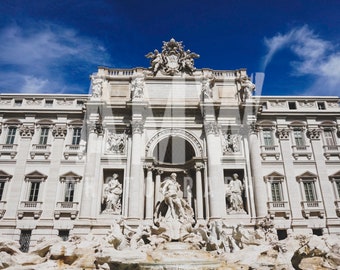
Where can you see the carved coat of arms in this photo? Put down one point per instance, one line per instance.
(173, 59)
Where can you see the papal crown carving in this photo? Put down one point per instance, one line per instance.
(173, 59)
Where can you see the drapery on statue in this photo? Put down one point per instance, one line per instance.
(234, 194)
(112, 195)
(247, 87)
(173, 207)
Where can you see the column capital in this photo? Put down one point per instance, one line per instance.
(149, 166)
(137, 126)
(159, 172)
(199, 166)
(211, 127)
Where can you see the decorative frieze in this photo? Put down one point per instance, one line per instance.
(314, 134)
(231, 143)
(26, 131)
(59, 131)
(283, 133)
(115, 142)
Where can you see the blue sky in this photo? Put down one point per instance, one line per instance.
(53, 46)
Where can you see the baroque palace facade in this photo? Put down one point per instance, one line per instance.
(72, 164)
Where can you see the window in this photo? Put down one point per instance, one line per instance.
(298, 137)
(17, 102)
(321, 106)
(49, 102)
(292, 105)
(24, 241)
(337, 185)
(34, 191)
(309, 189)
(44, 135)
(69, 191)
(268, 137)
(64, 234)
(76, 136)
(329, 137)
(2, 188)
(276, 191)
(11, 135)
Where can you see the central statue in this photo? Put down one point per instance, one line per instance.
(174, 215)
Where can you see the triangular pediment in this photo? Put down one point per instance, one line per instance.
(307, 174)
(70, 176)
(335, 175)
(35, 175)
(5, 176)
(274, 176)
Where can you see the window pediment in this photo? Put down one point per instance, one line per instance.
(35, 175)
(335, 176)
(70, 176)
(307, 176)
(5, 176)
(274, 176)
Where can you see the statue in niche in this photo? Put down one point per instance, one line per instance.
(173, 215)
(234, 194)
(116, 143)
(247, 87)
(231, 143)
(207, 85)
(97, 87)
(137, 88)
(112, 195)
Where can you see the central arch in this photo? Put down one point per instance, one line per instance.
(164, 142)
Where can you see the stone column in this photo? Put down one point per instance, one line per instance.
(158, 195)
(149, 193)
(259, 184)
(136, 185)
(88, 207)
(215, 178)
(290, 178)
(199, 190)
(323, 181)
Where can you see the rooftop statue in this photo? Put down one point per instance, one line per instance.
(173, 59)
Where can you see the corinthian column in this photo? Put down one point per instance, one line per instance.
(136, 179)
(259, 184)
(149, 193)
(199, 190)
(215, 178)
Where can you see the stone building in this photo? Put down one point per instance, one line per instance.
(71, 164)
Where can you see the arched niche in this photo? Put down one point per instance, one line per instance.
(174, 146)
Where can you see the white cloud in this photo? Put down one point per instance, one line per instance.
(39, 57)
(316, 57)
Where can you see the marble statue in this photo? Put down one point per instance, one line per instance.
(174, 215)
(112, 195)
(247, 87)
(234, 194)
(207, 85)
(97, 87)
(172, 60)
(137, 88)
